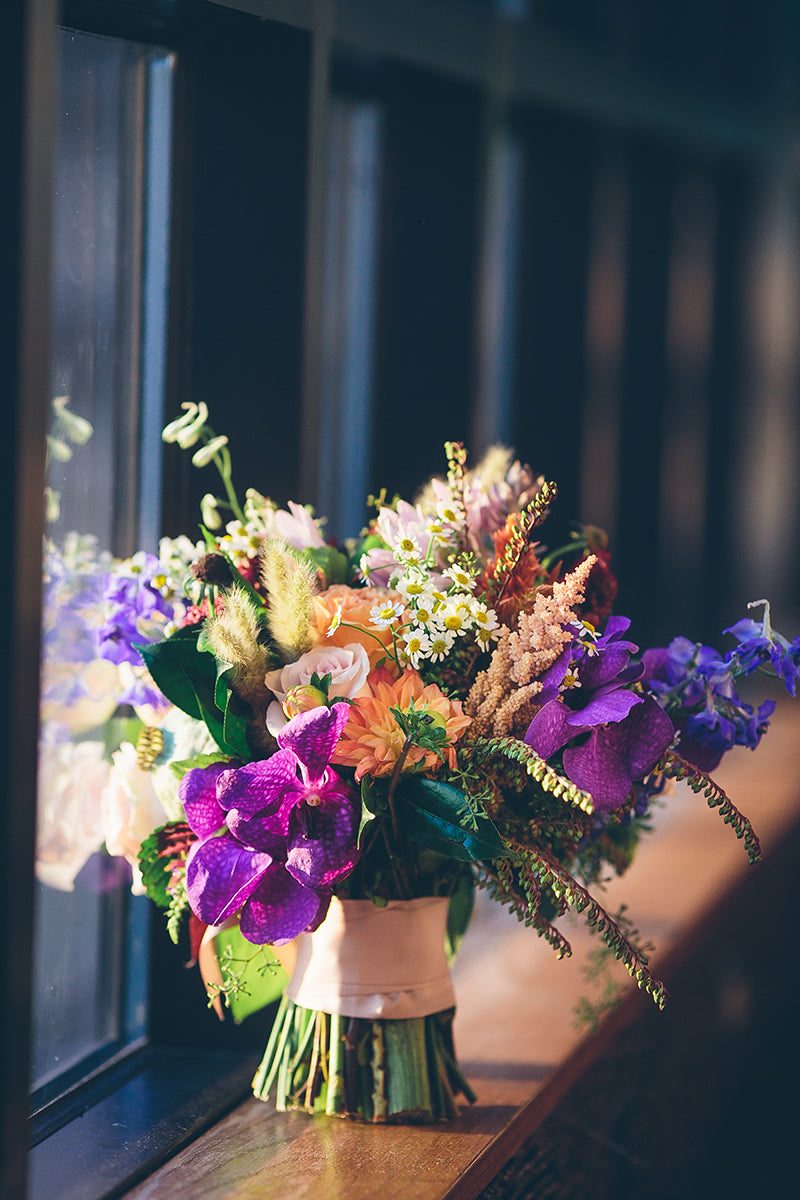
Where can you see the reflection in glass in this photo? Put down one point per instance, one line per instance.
(109, 281)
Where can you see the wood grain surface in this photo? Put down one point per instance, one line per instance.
(515, 1030)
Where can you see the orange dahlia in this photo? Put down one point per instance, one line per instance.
(372, 740)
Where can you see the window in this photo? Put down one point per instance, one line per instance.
(359, 229)
(109, 286)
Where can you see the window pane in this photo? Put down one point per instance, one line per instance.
(109, 284)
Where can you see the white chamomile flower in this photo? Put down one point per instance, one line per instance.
(412, 585)
(450, 511)
(416, 645)
(384, 615)
(437, 531)
(485, 618)
(441, 642)
(335, 621)
(485, 637)
(461, 577)
(407, 549)
(454, 617)
(424, 609)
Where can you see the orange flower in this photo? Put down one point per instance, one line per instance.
(355, 605)
(372, 740)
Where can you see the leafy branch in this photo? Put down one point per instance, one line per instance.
(673, 766)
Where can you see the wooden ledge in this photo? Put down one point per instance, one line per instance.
(515, 1030)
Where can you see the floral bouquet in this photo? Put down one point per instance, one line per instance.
(361, 735)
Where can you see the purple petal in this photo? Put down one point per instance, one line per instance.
(279, 910)
(331, 853)
(597, 669)
(549, 731)
(643, 737)
(264, 830)
(614, 705)
(260, 785)
(221, 875)
(599, 770)
(313, 735)
(198, 795)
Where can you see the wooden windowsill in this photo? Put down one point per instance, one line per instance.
(515, 1030)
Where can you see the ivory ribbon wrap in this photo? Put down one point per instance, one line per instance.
(380, 963)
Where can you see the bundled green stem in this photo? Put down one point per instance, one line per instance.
(379, 1071)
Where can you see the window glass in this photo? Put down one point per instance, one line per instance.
(109, 284)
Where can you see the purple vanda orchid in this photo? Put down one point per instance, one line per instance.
(627, 732)
(275, 835)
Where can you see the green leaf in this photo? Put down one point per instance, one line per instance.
(156, 873)
(459, 912)
(180, 767)
(331, 562)
(373, 803)
(189, 677)
(436, 815)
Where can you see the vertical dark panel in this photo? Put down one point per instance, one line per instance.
(721, 602)
(27, 101)
(550, 356)
(425, 320)
(241, 130)
(643, 387)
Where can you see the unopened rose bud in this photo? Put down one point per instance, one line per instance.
(302, 698)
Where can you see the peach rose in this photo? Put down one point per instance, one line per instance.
(355, 605)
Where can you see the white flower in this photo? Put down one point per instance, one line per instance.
(441, 642)
(384, 615)
(461, 577)
(454, 616)
(72, 776)
(130, 809)
(407, 549)
(416, 645)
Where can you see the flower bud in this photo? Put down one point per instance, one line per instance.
(302, 698)
(214, 569)
(203, 456)
(186, 429)
(210, 512)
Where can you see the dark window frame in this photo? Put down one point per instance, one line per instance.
(516, 71)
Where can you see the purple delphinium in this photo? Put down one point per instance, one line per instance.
(695, 685)
(275, 834)
(609, 734)
(136, 610)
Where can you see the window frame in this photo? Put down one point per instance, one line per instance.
(513, 69)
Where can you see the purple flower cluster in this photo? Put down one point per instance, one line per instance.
(695, 684)
(136, 610)
(610, 735)
(275, 835)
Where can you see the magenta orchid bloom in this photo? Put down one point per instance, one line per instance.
(275, 835)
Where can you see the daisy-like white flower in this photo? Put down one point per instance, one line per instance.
(416, 645)
(485, 636)
(384, 615)
(407, 549)
(485, 618)
(412, 585)
(335, 621)
(454, 616)
(461, 577)
(450, 511)
(441, 643)
(437, 531)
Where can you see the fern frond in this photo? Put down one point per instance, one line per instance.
(564, 887)
(673, 766)
(500, 885)
(548, 779)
